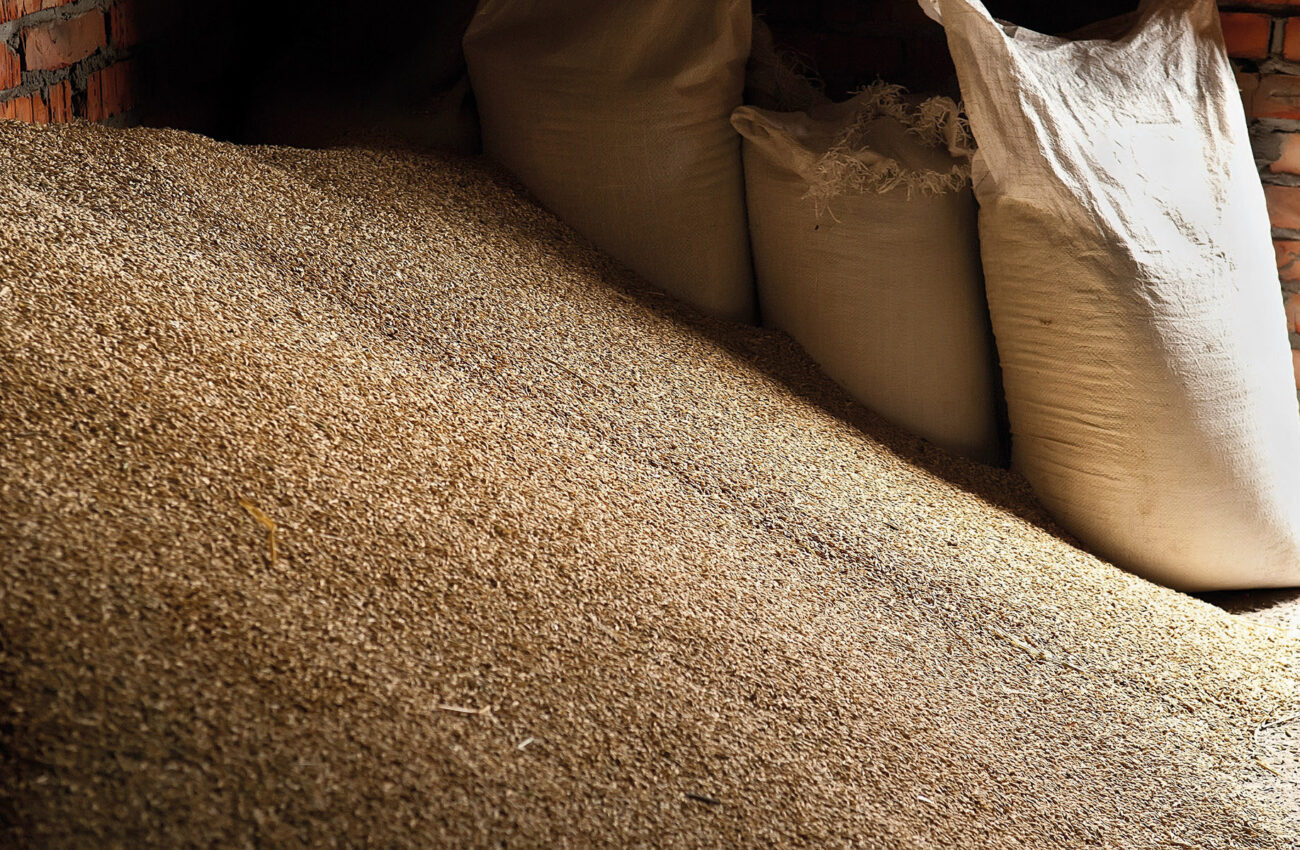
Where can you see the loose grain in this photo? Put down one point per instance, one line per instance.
(349, 499)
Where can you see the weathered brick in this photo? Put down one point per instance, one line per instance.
(1293, 312)
(110, 91)
(21, 108)
(59, 44)
(1283, 206)
(41, 107)
(59, 100)
(1291, 39)
(1287, 252)
(11, 73)
(1278, 96)
(95, 107)
(123, 24)
(1288, 160)
(11, 10)
(1247, 34)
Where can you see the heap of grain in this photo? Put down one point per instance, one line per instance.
(349, 499)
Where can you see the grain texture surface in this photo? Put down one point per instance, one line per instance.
(349, 499)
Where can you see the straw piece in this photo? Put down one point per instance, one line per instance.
(264, 521)
(937, 122)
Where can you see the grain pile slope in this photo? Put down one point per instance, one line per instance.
(556, 563)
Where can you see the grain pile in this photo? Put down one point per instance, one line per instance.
(556, 563)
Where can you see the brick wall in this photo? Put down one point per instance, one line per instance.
(852, 42)
(1264, 43)
(65, 59)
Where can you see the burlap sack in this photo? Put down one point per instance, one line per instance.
(864, 237)
(1133, 292)
(615, 116)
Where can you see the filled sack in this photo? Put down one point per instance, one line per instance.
(865, 251)
(615, 115)
(1131, 280)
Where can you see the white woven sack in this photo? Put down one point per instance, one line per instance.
(1133, 292)
(615, 115)
(863, 228)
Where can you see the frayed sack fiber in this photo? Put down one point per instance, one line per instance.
(1133, 292)
(863, 228)
(615, 116)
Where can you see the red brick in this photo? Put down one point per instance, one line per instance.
(123, 23)
(59, 99)
(1288, 259)
(1247, 34)
(13, 9)
(53, 106)
(1288, 161)
(35, 109)
(11, 73)
(29, 108)
(1278, 96)
(110, 91)
(1293, 312)
(95, 98)
(1283, 206)
(1291, 39)
(59, 44)
(40, 108)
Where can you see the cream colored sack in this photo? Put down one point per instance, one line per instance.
(615, 115)
(1133, 292)
(865, 250)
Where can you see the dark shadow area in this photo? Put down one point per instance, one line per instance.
(1278, 607)
(255, 73)
(252, 72)
(1058, 18)
(850, 45)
